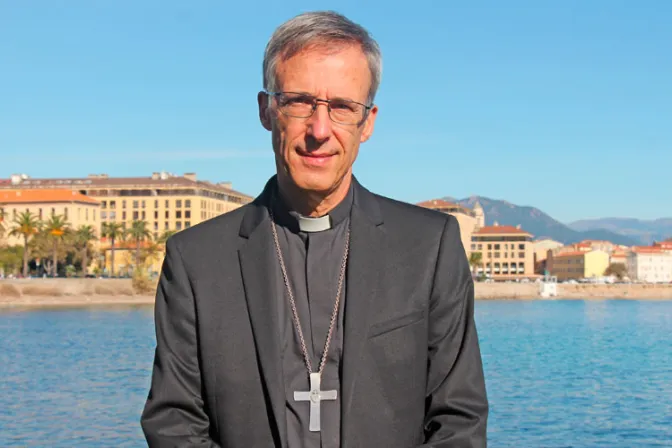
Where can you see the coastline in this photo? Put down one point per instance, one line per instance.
(73, 293)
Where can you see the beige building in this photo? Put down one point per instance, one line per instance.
(507, 252)
(649, 264)
(77, 209)
(469, 220)
(165, 201)
(578, 264)
(541, 248)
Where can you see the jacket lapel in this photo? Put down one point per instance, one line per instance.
(259, 271)
(364, 275)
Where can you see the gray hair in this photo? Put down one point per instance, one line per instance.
(320, 28)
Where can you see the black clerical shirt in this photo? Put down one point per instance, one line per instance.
(313, 260)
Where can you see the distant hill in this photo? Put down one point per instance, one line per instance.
(539, 223)
(645, 231)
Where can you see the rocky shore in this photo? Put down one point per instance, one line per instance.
(46, 293)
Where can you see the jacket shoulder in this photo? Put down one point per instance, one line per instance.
(224, 227)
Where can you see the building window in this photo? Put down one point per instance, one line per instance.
(178, 203)
(135, 216)
(187, 224)
(143, 215)
(103, 204)
(521, 247)
(480, 247)
(156, 203)
(167, 214)
(113, 204)
(496, 254)
(113, 215)
(521, 255)
(39, 213)
(473, 247)
(187, 214)
(143, 204)
(496, 246)
(167, 203)
(156, 225)
(187, 203)
(123, 215)
(123, 204)
(489, 246)
(156, 214)
(103, 215)
(178, 214)
(166, 226)
(178, 225)
(66, 213)
(135, 204)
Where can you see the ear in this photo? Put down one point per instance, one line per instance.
(368, 125)
(264, 110)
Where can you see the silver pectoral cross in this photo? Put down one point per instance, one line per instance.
(315, 396)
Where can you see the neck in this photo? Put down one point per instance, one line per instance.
(312, 203)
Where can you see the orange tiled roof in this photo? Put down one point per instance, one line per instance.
(500, 230)
(647, 249)
(664, 245)
(43, 196)
(438, 203)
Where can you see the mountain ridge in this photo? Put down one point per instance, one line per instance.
(538, 223)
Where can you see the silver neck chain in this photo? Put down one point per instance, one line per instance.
(292, 302)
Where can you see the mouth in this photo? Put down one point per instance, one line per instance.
(316, 158)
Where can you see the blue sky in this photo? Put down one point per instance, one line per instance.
(563, 105)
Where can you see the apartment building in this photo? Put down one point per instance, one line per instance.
(468, 219)
(165, 201)
(76, 208)
(542, 247)
(507, 252)
(578, 264)
(650, 264)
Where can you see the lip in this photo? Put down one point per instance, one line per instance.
(314, 159)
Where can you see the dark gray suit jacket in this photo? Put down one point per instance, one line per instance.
(411, 370)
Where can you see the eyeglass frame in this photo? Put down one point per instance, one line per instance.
(316, 102)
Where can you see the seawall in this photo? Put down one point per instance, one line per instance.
(85, 292)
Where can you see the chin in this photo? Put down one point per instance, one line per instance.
(314, 182)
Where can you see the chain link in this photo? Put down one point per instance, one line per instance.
(290, 294)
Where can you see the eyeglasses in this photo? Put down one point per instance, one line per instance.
(301, 105)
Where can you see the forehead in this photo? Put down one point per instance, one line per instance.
(332, 71)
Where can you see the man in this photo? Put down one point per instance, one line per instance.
(321, 314)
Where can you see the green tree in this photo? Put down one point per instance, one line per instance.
(618, 270)
(55, 228)
(25, 226)
(139, 233)
(114, 231)
(83, 237)
(475, 260)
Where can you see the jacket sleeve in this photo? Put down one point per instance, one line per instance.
(456, 402)
(174, 413)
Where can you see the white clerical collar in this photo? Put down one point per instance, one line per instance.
(310, 224)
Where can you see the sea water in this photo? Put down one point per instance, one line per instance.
(559, 374)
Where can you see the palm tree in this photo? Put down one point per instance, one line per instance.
(25, 226)
(164, 236)
(139, 233)
(2, 222)
(56, 227)
(113, 231)
(475, 260)
(83, 236)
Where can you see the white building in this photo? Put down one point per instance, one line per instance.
(649, 264)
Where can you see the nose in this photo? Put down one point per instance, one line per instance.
(319, 124)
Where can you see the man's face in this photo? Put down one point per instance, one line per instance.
(316, 154)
